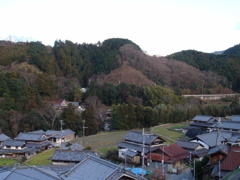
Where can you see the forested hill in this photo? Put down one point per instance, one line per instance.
(141, 90)
(226, 64)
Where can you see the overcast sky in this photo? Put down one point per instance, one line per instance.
(160, 27)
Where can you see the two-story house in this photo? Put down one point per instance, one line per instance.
(136, 143)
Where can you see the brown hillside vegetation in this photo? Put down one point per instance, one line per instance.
(173, 74)
(126, 74)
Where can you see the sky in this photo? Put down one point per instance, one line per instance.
(159, 27)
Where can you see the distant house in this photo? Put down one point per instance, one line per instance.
(34, 140)
(3, 138)
(229, 126)
(93, 168)
(195, 149)
(217, 153)
(75, 147)
(70, 157)
(60, 136)
(60, 103)
(210, 140)
(16, 148)
(132, 146)
(200, 124)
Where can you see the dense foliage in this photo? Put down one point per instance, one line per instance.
(226, 64)
(32, 76)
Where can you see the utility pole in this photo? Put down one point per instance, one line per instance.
(143, 151)
(84, 127)
(61, 122)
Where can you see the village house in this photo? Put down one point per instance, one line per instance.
(217, 153)
(60, 136)
(227, 163)
(210, 140)
(132, 146)
(34, 140)
(201, 124)
(16, 148)
(195, 149)
(173, 155)
(62, 157)
(3, 138)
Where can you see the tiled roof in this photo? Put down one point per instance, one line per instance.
(158, 157)
(11, 142)
(31, 136)
(202, 124)
(137, 147)
(188, 145)
(38, 132)
(76, 146)
(3, 137)
(135, 136)
(131, 153)
(231, 162)
(229, 125)
(203, 118)
(173, 150)
(221, 148)
(214, 138)
(28, 173)
(74, 156)
(235, 118)
(39, 145)
(25, 150)
(60, 133)
(93, 168)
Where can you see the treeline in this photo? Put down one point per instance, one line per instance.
(226, 64)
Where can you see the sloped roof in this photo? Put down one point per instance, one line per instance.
(60, 133)
(74, 156)
(28, 173)
(38, 132)
(131, 153)
(137, 147)
(175, 152)
(93, 168)
(235, 118)
(203, 118)
(3, 137)
(158, 157)
(76, 146)
(221, 148)
(229, 125)
(231, 162)
(31, 136)
(11, 142)
(214, 138)
(188, 145)
(135, 136)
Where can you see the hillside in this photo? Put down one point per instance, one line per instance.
(226, 64)
(173, 74)
(126, 74)
(141, 90)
